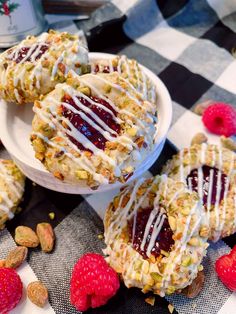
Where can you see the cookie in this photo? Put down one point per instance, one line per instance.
(210, 171)
(130, 70)
(93, 129)
(12, 183)
(37, 64)
(156, 235)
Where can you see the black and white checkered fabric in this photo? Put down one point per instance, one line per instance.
(188, 45)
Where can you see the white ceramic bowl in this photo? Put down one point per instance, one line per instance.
(15, 128)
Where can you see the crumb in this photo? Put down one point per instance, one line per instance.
(171, 308)
(194, 305)
(100, 236)
(51, 215)
(34, 184)
(150, 300)
(200, 108)
(199, 138)
(18, 210)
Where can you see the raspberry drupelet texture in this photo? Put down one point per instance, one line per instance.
(10, 289)
(220, 119)
(225, 267)
(93, 282)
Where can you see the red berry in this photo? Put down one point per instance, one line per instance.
(10, 289)
(220, 119)
(226, 269)
(93, 282)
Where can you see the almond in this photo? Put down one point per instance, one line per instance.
(37, 293)
(25, 236)
(2, 263)
(200, 108)
(16, 257)
(46, 236)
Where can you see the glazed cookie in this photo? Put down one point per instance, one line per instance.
(12, 183)
(209, 170)
(130, 70)
(156, 235)
(37, 64)
(93, 129)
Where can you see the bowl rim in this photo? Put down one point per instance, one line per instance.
(163, 125)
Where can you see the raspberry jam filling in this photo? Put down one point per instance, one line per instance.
(105, 69)
(92, 134)
(19, 55)
(163, 241)
(211, 188)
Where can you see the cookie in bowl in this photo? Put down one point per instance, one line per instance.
(156, 235)
(130, 70)
(210, 170)
(37, 64)
(93, 129)
(12, 183)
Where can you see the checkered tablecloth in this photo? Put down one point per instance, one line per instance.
(188, 45)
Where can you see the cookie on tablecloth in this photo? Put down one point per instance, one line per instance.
(156, 235)
(12, 183)
(209, 170)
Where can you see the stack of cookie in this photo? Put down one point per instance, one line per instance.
(92, 125)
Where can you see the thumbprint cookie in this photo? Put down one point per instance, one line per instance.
(37, 64)
(210, 170)
(156, 235)
(94, 129)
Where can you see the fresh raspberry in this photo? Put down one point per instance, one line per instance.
(220, 119)
(10, 289)
(93, 282)
(226, 269)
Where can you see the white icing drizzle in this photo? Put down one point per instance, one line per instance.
(55, 67)
(120, 221)
(110, 66)
(15, 187)
(209, 196)
(156, 230)
(218, 190)
(181, 166)
(226, 193)
(144, 87)
(175, 196)
(190, 184)
(123, 61)
(18, 98)
(235, 207)
(151, 218)
(136, 69)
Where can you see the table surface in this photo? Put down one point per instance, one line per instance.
(188, 45)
